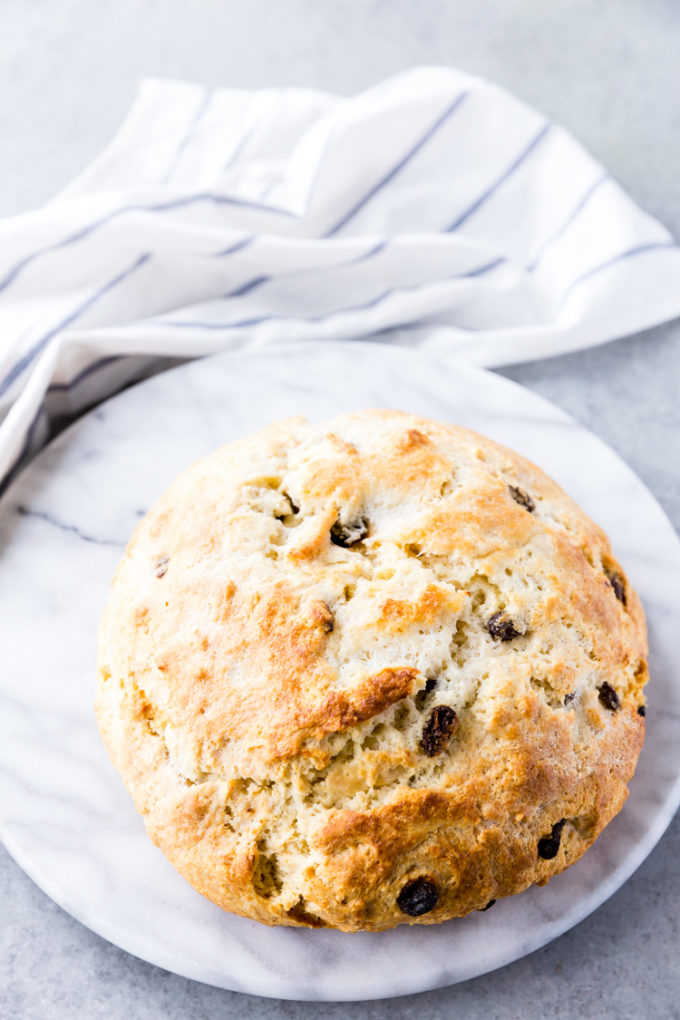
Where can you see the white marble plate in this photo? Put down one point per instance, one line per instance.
(64, 813)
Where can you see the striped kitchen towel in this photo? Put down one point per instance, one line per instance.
(434, 209)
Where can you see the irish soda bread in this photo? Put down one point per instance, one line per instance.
(371, 671)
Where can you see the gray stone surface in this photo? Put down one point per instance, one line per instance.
(609, 70)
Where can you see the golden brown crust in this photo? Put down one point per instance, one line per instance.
(282, 626)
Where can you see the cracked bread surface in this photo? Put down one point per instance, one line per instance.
(371, 671)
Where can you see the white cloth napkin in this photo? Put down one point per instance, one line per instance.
(434, 209)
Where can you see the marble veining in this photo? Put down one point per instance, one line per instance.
(64, 813)
(42, 515)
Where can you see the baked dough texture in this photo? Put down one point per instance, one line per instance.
(370, 671)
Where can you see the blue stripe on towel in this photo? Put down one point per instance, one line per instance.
(247, 135)
(189, 134)
(639, 249)
(240, 146)
(413, 151)
(258, 320)
(9, 474)
(258, 281)
(85, 373)
(491, 190)
(245, 288)
(167, 206)
(23, 362)
(245, 242)
(583, 201)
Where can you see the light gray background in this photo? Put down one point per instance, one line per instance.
(609, 70)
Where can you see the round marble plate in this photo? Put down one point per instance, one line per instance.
(65, 815)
